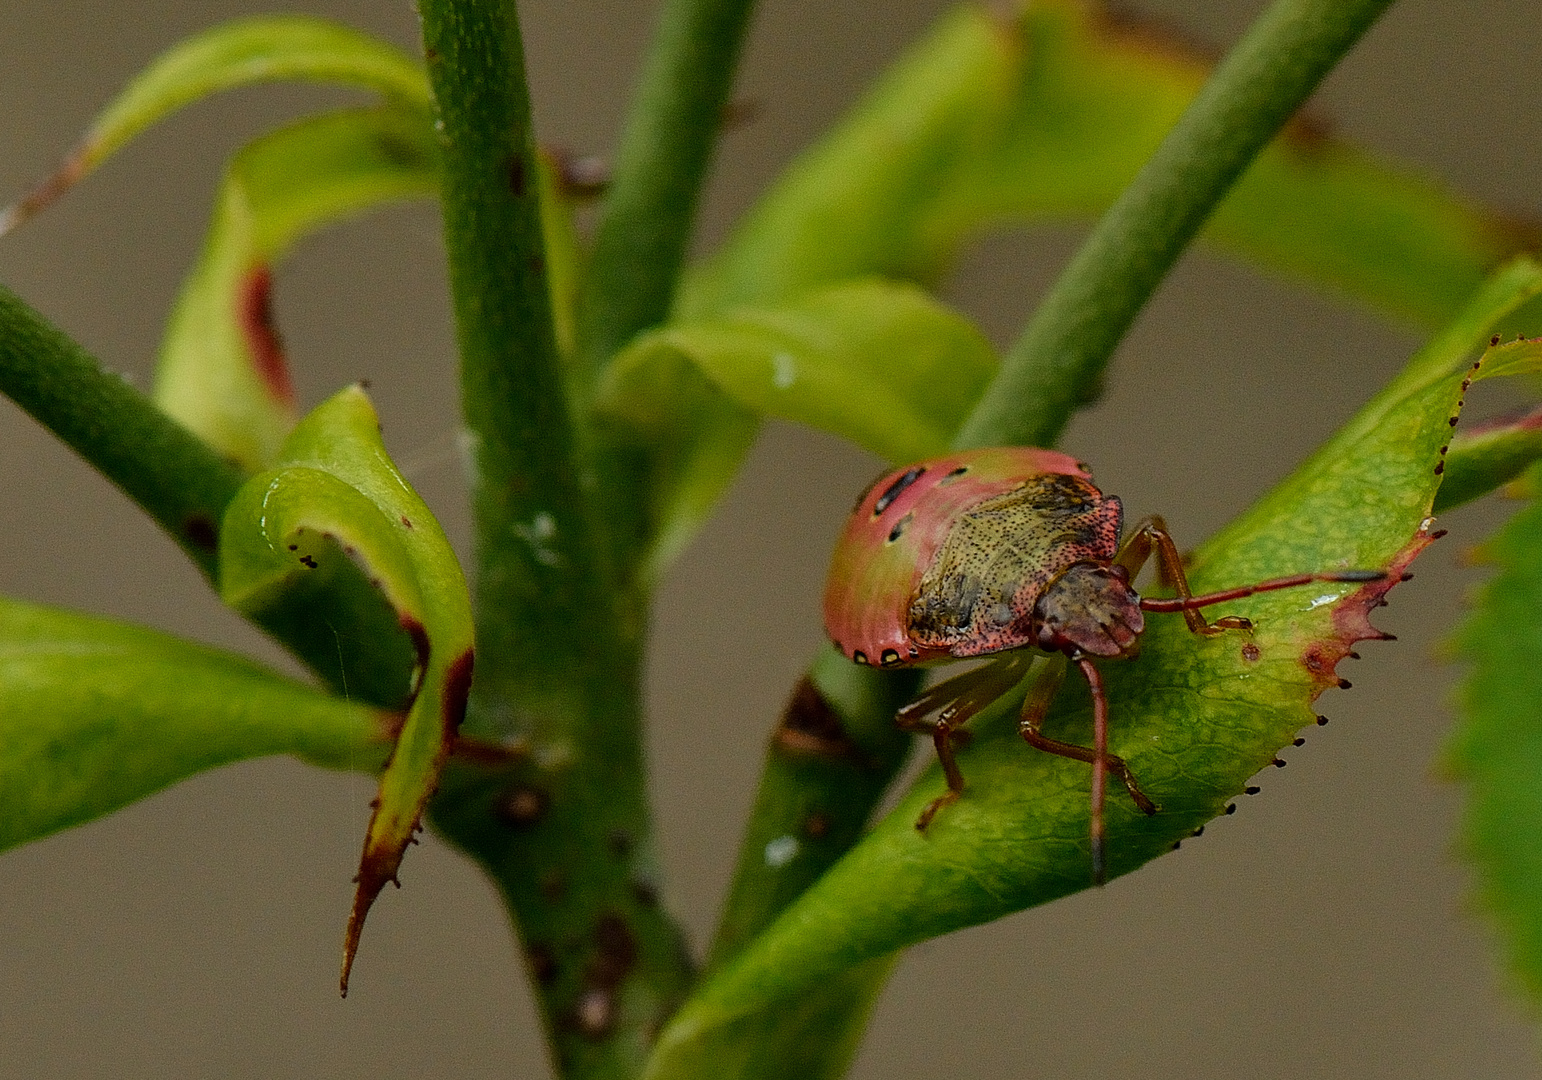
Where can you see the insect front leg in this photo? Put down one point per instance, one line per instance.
(955, 701)
(1040, 693)
(1150, 536)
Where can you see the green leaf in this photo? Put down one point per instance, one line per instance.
(1195, 717)
(1498, 743)
(95, 714)
(335, 497)
(1046, 115)
(879, 362)
(1484, 457)
(243, 52)
(222, 371)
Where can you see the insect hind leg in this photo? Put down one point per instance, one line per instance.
(955, 701)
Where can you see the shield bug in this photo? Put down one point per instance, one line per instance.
(1008, 552)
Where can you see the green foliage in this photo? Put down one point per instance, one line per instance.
(1194, 717)
(610, 397)
(243, 52)
(222, 370)
(335, 497)
(1045, 115)
(827, 358)
(95, 714)
(1496, 749)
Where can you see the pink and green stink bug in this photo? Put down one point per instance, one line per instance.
(1009, 551)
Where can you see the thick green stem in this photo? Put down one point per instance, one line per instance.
(1057, 364)
(175, 476)
(568, 841)
(646, 224)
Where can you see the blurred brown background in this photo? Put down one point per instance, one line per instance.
(1324, 931)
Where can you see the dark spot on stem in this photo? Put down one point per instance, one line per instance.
(1250, 652)
(615, 954)
(811, 726)
(201, 532)
(543, 963)
(619, 841)
(645, 893)
(406, 522)
(816, 825)
(307, 561)
(515, 172)
(522, 806)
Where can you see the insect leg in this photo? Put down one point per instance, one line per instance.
(959, 698)
(1187, 604)
(1037, 704)
(1150, 536)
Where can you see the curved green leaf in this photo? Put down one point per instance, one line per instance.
(1047, 115)
(1497, 746)
(879, 362)
(95, 714)
(1195, 718)
(335, 497)
(268, 48)
(222, 371)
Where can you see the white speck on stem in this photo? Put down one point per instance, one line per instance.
(781, 851)
(784, 370)
(538, 534)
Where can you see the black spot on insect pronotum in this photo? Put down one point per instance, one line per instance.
(894, 490)
(900, 526)
(954, 475)
(889, 658)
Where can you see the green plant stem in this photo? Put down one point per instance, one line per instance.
(175, 476)
(346, 632)
(569, 840)
(828, 763)
(1057, 364)
(649, 212)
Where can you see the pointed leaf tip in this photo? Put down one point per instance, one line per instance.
(335, 497)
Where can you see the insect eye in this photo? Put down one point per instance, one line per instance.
(894, 490)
